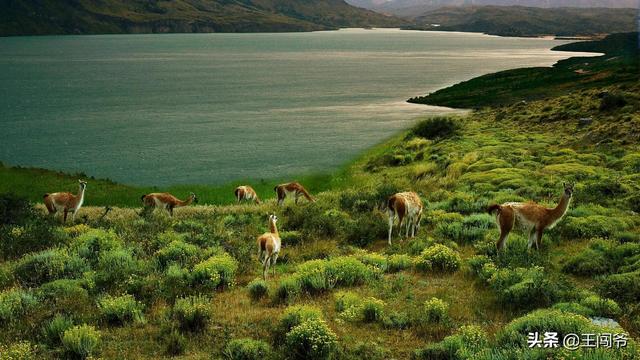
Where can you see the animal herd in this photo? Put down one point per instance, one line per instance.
(407, 207)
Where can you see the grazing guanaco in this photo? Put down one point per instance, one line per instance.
(246, 192)
(292, 188)
(66, 202)
(536, 218)
(269, 246)
(405, 205)
(165, 201)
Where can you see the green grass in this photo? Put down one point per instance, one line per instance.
(33, 183)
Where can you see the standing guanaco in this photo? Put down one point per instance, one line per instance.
(246, 192)
(405, 204)
(292, 188)
(269, 246)
(66, 202)
(165, 201)
(536, 218)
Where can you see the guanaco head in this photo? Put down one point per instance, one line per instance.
(194, 197)
(568, 189)
(273, 218)
(83, 184)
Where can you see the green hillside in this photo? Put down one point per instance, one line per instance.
(528, 21)
(619, 65)
(49, 17)
(122, 286)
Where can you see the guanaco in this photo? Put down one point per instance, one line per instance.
(269, 246)
(66, 202)
(246, 192)
(292, 188)
(532, 216)
(405, 205)
(165, 201)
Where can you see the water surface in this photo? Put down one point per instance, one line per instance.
(211, 108)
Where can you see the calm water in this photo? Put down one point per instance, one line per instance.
(210, 108)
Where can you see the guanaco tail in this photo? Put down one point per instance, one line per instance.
(246, 192)
(292, 188)
(66, 202)
(269, 246)
(165, 201)
(405, 205)
(536, 218)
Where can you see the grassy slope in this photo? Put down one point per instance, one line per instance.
(509, 153)
(117, 16)
(620, 64)
(528, 21)
(33, 183)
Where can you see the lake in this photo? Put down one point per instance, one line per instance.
(212, 108)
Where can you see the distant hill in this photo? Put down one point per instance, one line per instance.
(528, 21)
(19, 17)
(619, 66)
(413, 8)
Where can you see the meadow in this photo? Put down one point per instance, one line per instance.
(126, 286)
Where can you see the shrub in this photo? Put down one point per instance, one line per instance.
(435, 311)
(514, 334)
(372, 309)
(312, 339)
(399, 262)
(610, 101)
(438, 258)
(54, 329)
(176, 281)
(573, 307)
(69, 295)
(296, 315)
(121, 309)
(247, 349)
(364, 229)
(81, 341)
(312, 276)
(15, 303)
(601, 307)
(590, 227)
(524, 287)
(38, 268)
(468, 341)
(623, 287)
(23, 229)
(218, 270)
(177, 252)
(352, 308)
(115, 266)
(291, 237)
(380, 262)
(436, 128)
(22, 350)
(589, 262)
(288, 288)
(257, 289)
(192, 313)
(348, 271)
(94, 242)
(175, 343)
(396, 320)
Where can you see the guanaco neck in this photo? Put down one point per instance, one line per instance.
(80, 195)
(273, 228)
(562, 207)
(186, 202)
